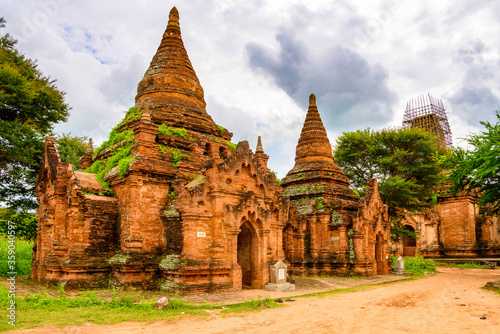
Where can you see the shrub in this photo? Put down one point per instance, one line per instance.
(179, 132)
(25, 223)
(23, 252)
(417, 264)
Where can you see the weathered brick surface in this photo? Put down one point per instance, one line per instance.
(193, 213)
(454, 228)
(328, 229)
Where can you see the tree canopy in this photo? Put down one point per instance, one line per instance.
(406, 162)
(71, 148)
(478, 169)
(30, 105)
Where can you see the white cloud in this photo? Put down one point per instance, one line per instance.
(97, 51)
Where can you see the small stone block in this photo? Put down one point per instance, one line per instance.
(162, 303)
(400, 266)
(277, 272)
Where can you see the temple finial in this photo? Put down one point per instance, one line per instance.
(259, 148)
(86, 159)
(146, 116)
(312, 100)
(90, 148)
(173, 26)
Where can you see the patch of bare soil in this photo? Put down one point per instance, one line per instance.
(449, 302)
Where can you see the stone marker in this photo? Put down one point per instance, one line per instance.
(400, 266)
(277, 272)
(277, 278)
(162, 303)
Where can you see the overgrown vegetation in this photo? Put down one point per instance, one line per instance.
(467, 265)
(232, 146)
(399, 232)
(23, 250)
(24, 222)
(131, 114)
(416, 265)
(120, 146)
(169, 131)
(176, 154)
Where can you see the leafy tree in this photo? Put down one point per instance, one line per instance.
(30, 104)
(71, 148)
(406, 162)
(478, 169)
(24, 222)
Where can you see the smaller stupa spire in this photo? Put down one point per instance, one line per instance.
(312, 101)
(173, 27)
(86, 160)
(259, 148)
(90, 148)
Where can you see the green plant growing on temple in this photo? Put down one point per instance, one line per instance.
(120, 146)
(131, 114)
(232, 146)
(177, 155)
(170, 131)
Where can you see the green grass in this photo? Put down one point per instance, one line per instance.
(467, 265)
(38, 310)
(23, 251)
(417, 265)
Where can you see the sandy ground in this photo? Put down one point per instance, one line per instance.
(449, 302)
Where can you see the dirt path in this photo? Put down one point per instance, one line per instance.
(449, 302)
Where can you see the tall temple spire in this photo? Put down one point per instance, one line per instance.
(170, 88)
(259, 148)
(314, 163)
(173, 26)
(313, 143)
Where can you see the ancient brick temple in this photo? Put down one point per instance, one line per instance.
(169, 202)
(329, 229)
(456, 226)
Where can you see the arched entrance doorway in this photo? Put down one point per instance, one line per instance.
(247, 256)
(409, 244)
(379, 255)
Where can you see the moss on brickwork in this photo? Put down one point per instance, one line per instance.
(171, 262)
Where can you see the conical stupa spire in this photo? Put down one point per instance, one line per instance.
(90, 148)
(313, 143)
(170, 88)
(259, 148)
(173, 26)
(314, 163)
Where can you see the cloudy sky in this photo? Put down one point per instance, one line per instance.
(258, 61)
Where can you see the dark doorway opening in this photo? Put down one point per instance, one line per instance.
(245, 258)
(409, 244)
(379, 255)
